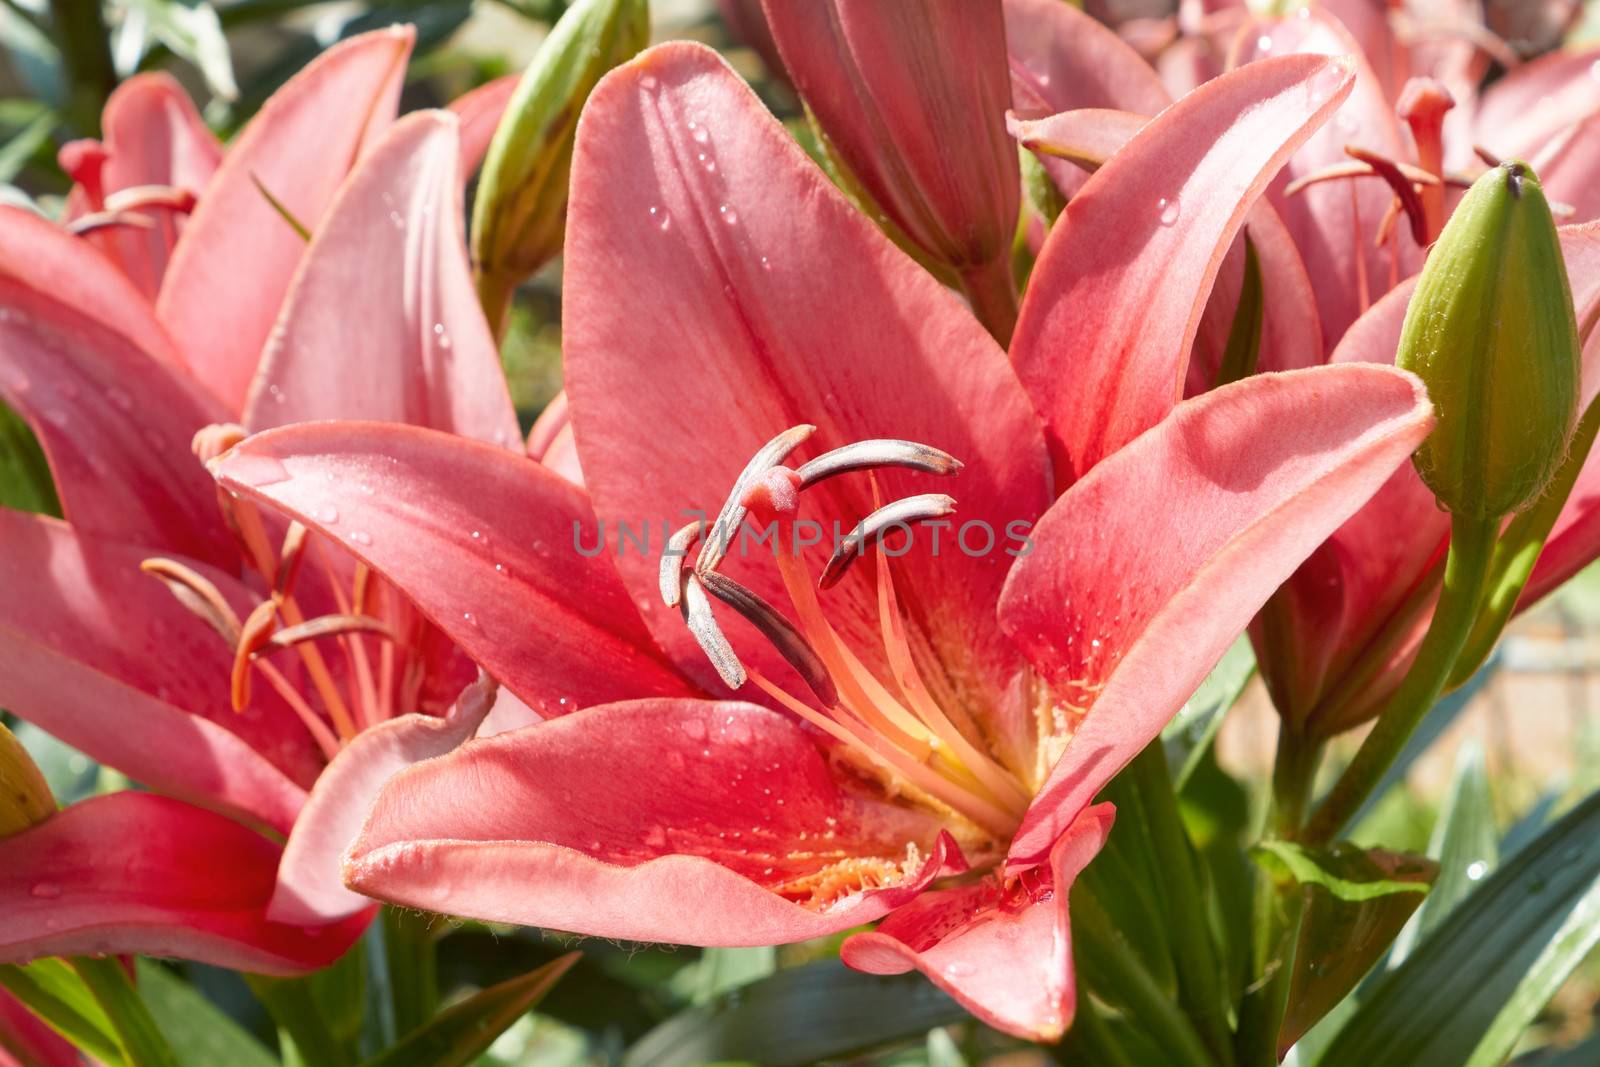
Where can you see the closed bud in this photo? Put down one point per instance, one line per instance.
(25, 799)
(519, 216)
(1491, 332)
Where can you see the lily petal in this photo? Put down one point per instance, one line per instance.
(1007, 958)
(1532, 104)
(1268, 467)
(381, 321)
(492, 547)
(309, 888)
(723, 348)
(479, 112)
(233, 264)
(153, 137)
(1104, 336)
(1062, 59)
(138, 873)
(27, 1041)
(1567, 166)
(651, 820)
(150, 699)
(83, 360)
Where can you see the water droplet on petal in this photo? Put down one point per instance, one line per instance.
(1263, 43)
(257, 471)
(325, 514)
(730, 216)
(361, 537)
(46, 890)
(1168, 206)
(1476, 870)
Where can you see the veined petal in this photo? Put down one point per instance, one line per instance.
(83, 360)
(1005, 955)
(723, 348)
(1567, 165)
(1124, 605)
(310, 891)
(492, 547)
(687, 821)
(155, 137)
(479, 111)
(1118, 291)
(1333, 223)
(148, 696)
(382, 322)
(1520, 112)
(144, 874)
(1062, 59)
(232, 267)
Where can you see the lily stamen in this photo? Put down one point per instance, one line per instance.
(899, 513)
(870, 455)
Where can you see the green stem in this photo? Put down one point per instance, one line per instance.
(992, 290)
(413, 966)
(294, 1008)
(495, 293)
(1275, 929)
(1465, 571)
(1294, 772)
(1200, 983)
(111, 987)
(85, 44)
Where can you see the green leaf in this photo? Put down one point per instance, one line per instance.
(1466, 993)
(140, 1037)
(1464, 843)
(462, 1032)
(25, 482)
(193, 32)
(798, 1016)
(719, 970)
(294, 1007)
(1244, 335)
(200, 1033)
(25, 144)
(1354, 903)
(1191, 731)
(55, 993)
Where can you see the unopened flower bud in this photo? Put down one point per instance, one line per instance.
(519, 216)
(25, 799)
(1491, 332)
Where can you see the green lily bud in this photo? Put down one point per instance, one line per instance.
(25, 799)
(520, 213)
(1492, 334)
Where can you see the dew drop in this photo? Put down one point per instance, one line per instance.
(119, 398)
(730, 216)
(46, 890)
(1476, 870)
(694, 729)
(1263, 43)
(361, 537)
(257, 471)
(327, 514)
(700, 134)
(1168, 207)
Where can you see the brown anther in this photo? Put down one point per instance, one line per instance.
(678, 546)
(898, 513)
(702, 624)
(1403, 188)
(198, 594)
(256, 632)
(289, 560)
(211, 441)
(1488, 157)
(777, 629)
(324, 626)
(882, 452)
(731, 517)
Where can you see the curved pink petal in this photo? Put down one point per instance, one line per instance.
(84, 362)
(1145, 571)
(310, 890)
(153, 137)
(1062, 59)
(1535, 102)
(492, 547)
(102, 656)
(1117, 294)
(1568, 166)
(1006, 956)
(1333, 223)
(893, 87)
(479, 112)
(1082, 141)
(759, 299)
(232, 267)
(652, 820)
(382, 322)
(137, 873)
(27, 1041)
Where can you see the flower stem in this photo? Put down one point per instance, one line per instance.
(992, 291)
(413, 966)
(1465, 573)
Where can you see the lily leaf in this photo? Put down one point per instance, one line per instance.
(1192, 730)
(797, 1016)
(1355, 902)
(1465, 844)
(55, 993)
(25, 482)
(462, 1032)
(294, 1007)
(719, 970)
(1465, 994)
(200, 1033)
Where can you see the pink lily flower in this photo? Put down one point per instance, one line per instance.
(216, 655)
(1335, 640)
(925, 735)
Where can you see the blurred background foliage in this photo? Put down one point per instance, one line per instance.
(1515, 752)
